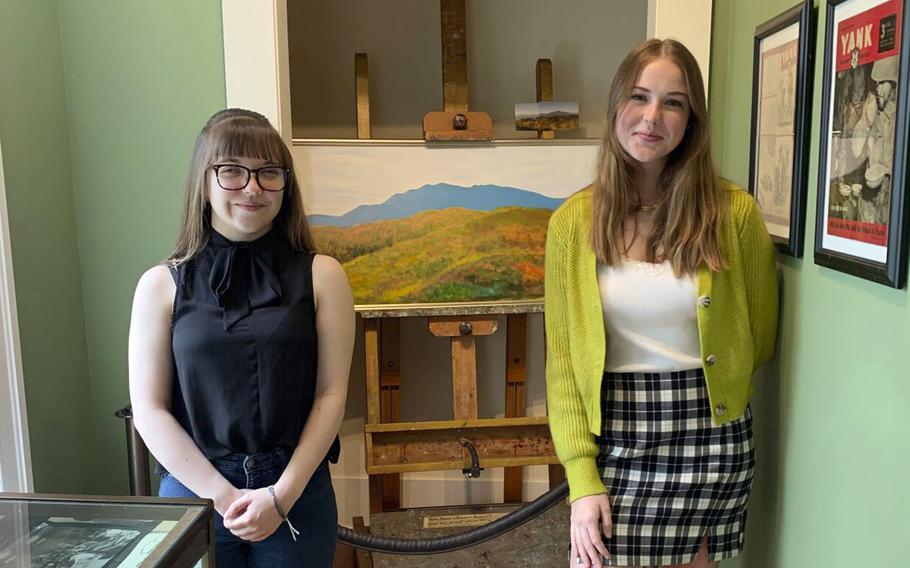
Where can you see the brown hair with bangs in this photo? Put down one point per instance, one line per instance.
(692, 207)
(235, 133)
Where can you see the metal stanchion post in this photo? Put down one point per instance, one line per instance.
(137, 455)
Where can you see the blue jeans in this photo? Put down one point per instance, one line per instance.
(314, 515)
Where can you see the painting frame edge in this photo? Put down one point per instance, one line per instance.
(464, 308)
(803, 16)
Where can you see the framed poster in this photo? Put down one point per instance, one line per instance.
(419, 225)
(781, 101)
(860, 223)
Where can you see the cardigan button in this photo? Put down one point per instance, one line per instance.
(704, 301)
(720, 409)
(710, 360)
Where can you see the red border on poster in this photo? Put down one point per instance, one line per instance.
(862, 32)
(872, 233)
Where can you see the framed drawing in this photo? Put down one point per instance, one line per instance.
(861, 213)
(781, 100)
(418, 225)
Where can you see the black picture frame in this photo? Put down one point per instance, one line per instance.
(861, 224)
(780, 188)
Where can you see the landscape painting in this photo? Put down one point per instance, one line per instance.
(546, 115)
(415, 223)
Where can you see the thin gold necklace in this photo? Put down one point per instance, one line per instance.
(649, 206)
(645, 208)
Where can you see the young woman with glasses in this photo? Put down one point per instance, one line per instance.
(661, 301)
(239, 353)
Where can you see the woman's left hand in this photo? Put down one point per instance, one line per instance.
(253, 517)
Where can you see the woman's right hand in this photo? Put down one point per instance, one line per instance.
(590, 515)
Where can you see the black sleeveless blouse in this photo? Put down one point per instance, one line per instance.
(244, 344)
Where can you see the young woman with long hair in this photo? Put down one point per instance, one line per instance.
(239, 353)
(661, 301)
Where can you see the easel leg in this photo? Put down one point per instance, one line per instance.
(371, 364)
(390, 383)
(464, 377)
(454, 55)
(516, 373)
(362, 558)
(383, 373)
(557, 475)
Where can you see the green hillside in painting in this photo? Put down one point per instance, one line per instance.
(448, 255)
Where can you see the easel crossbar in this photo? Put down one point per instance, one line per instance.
(433, 446)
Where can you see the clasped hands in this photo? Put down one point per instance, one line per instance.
(250, 514)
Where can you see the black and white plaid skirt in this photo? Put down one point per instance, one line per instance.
(673, 477)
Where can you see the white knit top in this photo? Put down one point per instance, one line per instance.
(650, 318)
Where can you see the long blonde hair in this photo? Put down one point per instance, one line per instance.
(237, 132)
(687, 221)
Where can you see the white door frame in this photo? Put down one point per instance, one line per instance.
(688, 21)
(256, 71)
(15, 454)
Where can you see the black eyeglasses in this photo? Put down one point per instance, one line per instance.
(234, 177)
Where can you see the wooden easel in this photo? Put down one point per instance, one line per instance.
(393, 447)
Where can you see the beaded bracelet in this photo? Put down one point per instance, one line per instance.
(294, 532)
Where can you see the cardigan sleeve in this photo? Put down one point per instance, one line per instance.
(760, 279)
(572, 439)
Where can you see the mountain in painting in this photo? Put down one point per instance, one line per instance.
(448, 255)
(435, 197)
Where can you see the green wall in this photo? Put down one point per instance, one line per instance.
(141, 80)
(36, 162)
(99, 105)
(832, 414)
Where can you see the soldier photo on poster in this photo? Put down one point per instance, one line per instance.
(861, 143)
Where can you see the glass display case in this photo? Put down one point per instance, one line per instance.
(105, 532)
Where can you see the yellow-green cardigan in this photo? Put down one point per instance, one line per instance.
(737, 327)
